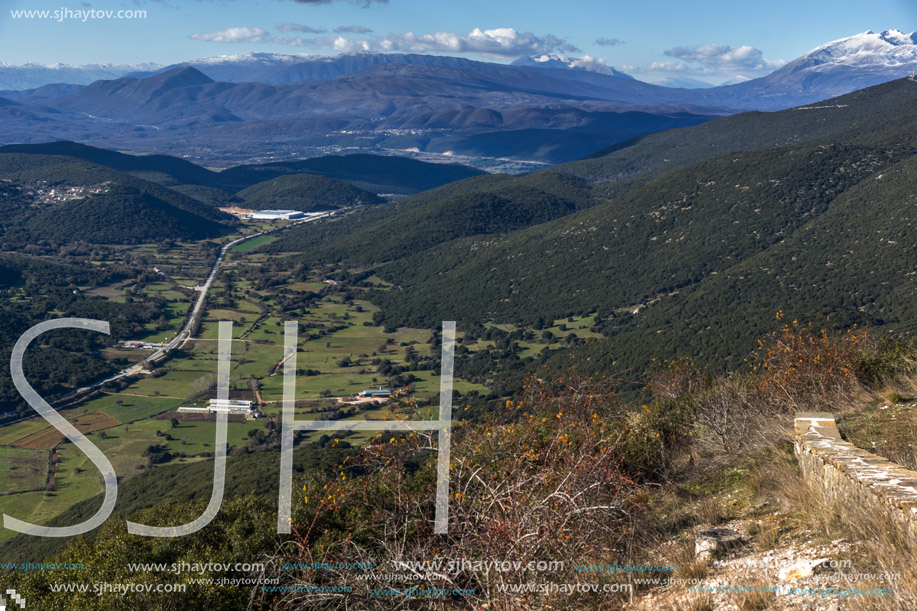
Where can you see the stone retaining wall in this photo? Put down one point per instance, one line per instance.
(847, 475)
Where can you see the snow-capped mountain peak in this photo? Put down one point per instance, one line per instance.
(253, 57)
(586, 62)
(889, 48)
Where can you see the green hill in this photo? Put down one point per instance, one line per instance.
(305, 192)
(374, 173)
(854, 263)
(665, 236)
(875, 114)
(123, 215)
(162, 169)
(477, 206)
(126, 209)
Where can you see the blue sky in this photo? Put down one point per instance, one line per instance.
(712, 40)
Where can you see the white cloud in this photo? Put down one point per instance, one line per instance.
(503, 42)
(351, 29)
(234, 35)
(296, 27)
(668, 67)
(336, 43)
(724, 58)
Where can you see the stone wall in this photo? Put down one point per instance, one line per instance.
(850, 476)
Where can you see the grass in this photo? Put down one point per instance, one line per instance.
(127, 409)
(24, 469)
(253, 243)
(16, 431)
(77, 479)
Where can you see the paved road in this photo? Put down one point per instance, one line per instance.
(185, 333)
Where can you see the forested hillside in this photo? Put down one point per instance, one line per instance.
(663, 256)
(305, 192)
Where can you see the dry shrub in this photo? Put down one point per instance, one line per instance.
(549, 485)
(676, 378)
(768, 536)
(798, 366)
(728, 414)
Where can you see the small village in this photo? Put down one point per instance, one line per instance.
(42, 193)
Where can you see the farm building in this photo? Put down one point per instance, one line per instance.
(380, 392)
(229, 406)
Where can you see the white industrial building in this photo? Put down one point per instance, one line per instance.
(277, 215)
(380, 392)
(228, 406)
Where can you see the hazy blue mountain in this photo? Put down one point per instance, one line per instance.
(547, 109)
(31, 76)
(683, 82)
(281, 68)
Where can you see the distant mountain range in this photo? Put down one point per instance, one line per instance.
(683, 82)
(833, 69)
(439, 105)
(32, 76)
(547, 109)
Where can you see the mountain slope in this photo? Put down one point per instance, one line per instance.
(124, 209)
(853, 264)
(378, 173)
(31, 76)
(859, 116)
(662, 237)
(478, 206)
(876, 117)
(163, 169)
(694, 259)
(305, 192)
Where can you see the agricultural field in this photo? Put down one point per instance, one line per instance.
(340, 352)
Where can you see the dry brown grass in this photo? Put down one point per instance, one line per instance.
(697, 603)
(51, 437)
(709, 510)
(755, 600)
(768, 536)
(689, 567)
(885, 548)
